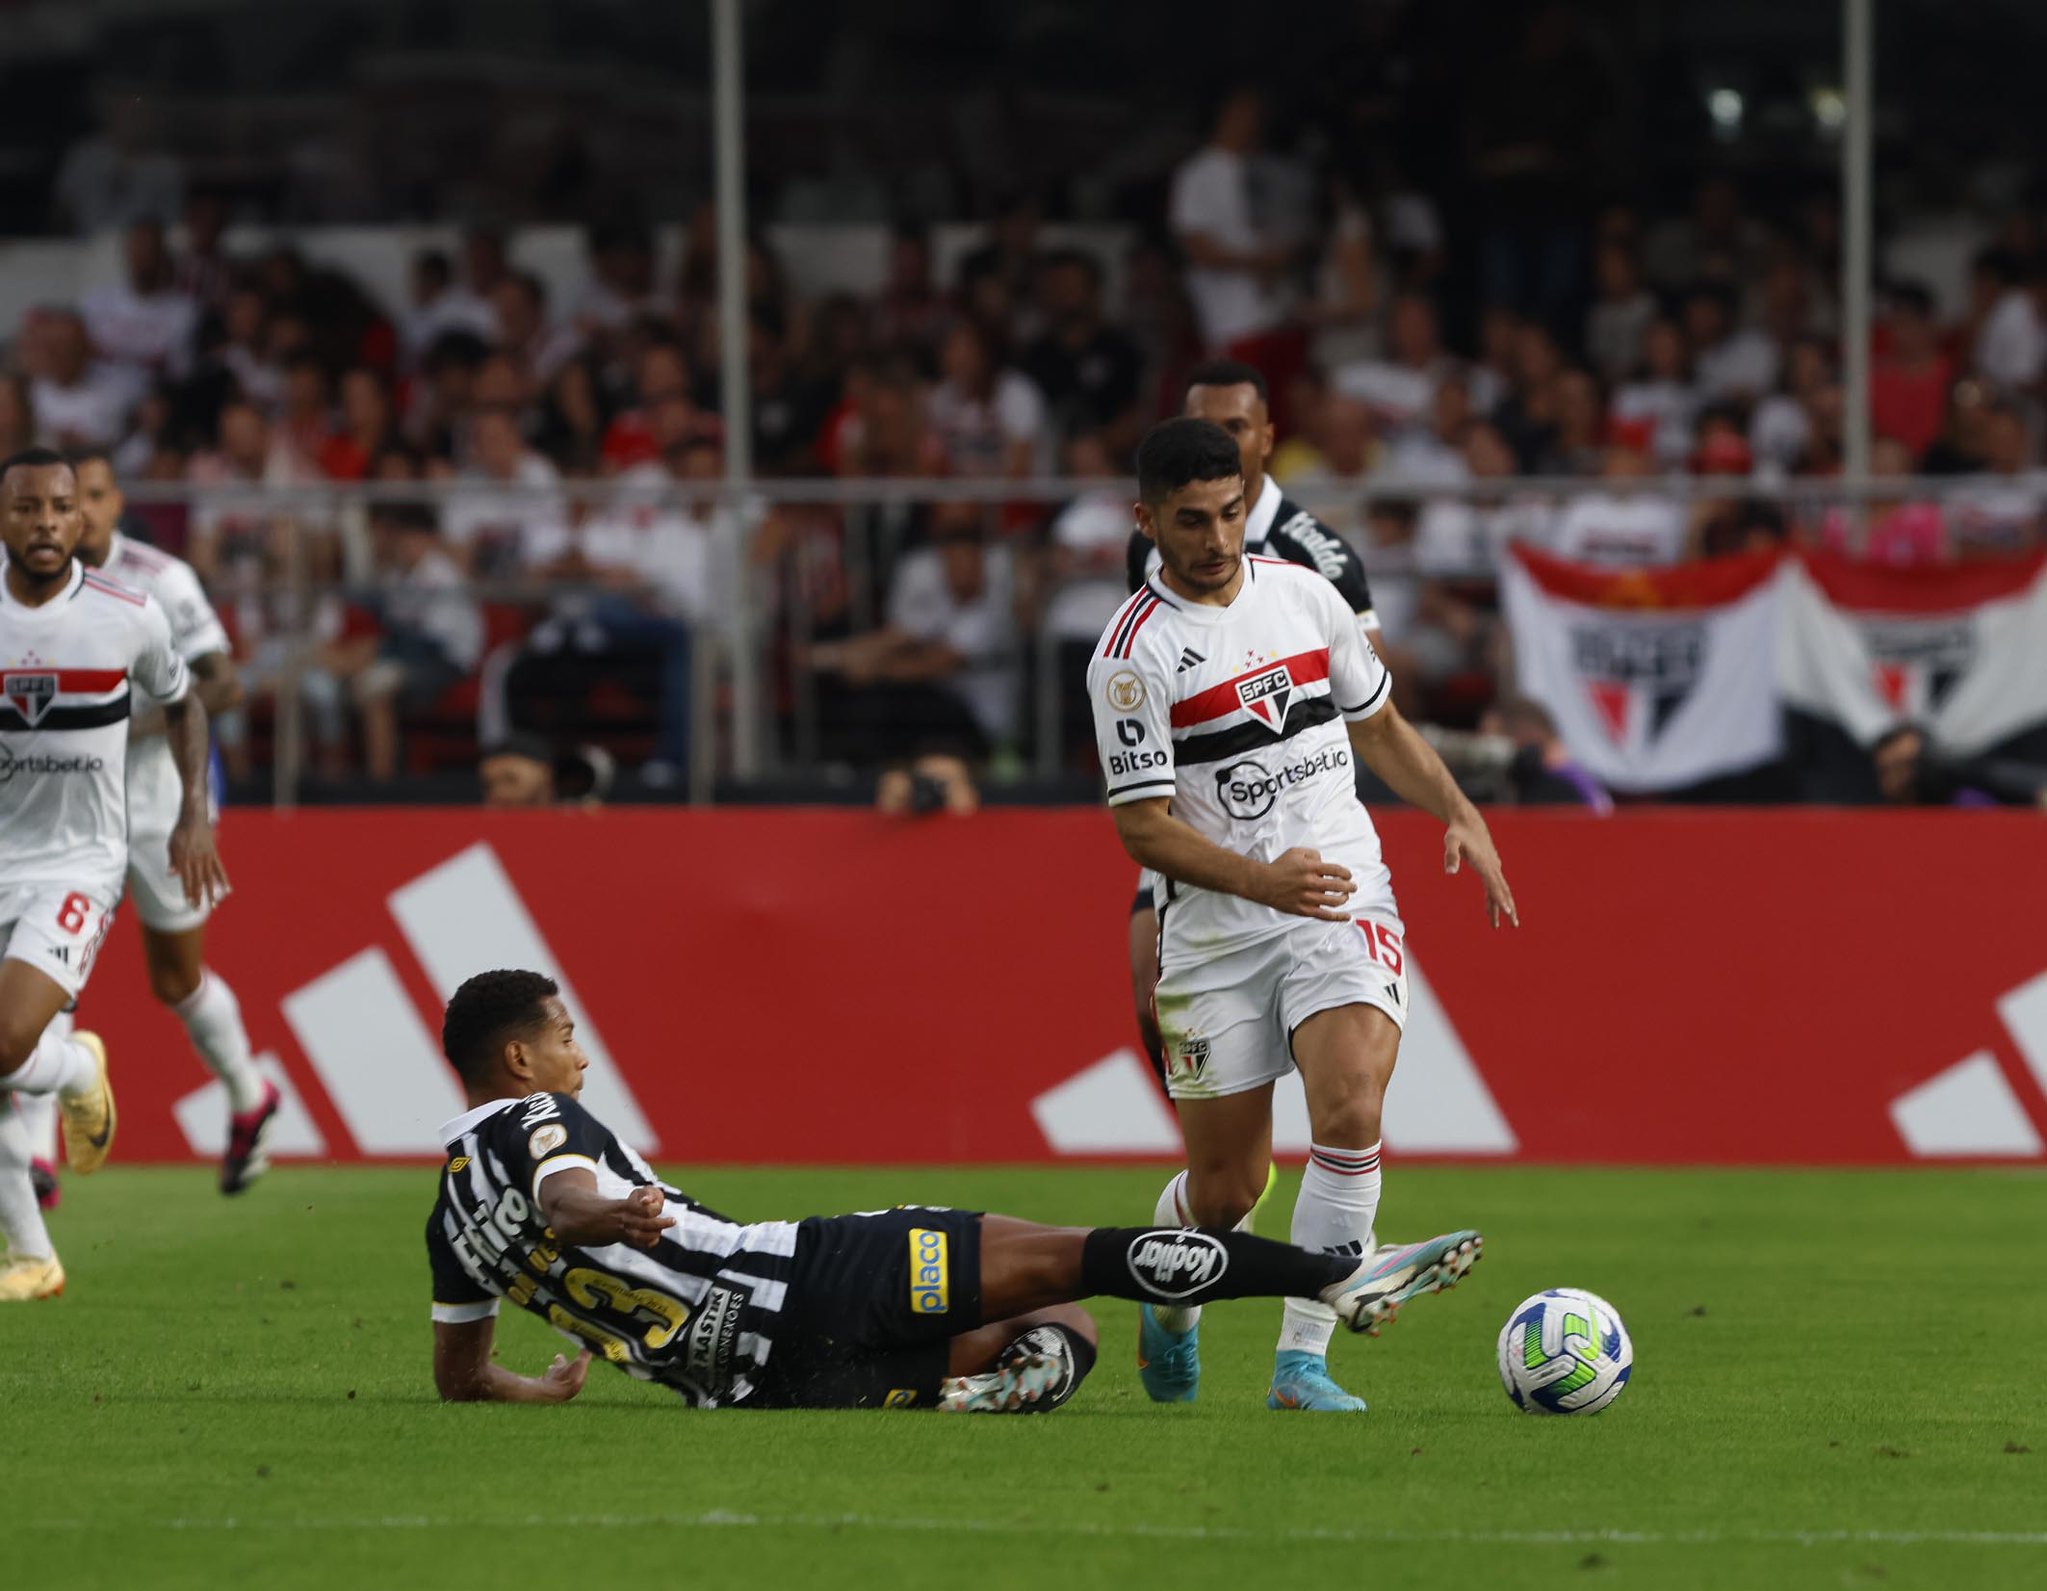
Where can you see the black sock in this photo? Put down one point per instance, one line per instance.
(1193, 1265)
(1062, 1343)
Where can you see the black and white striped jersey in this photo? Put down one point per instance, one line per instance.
(697, 1312)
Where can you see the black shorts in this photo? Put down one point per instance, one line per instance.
(874, 1302)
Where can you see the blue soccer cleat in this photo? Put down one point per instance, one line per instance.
(1168, 1362)
(1372, 1294)
(1300, 1380)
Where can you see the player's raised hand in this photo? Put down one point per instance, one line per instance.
(1300, 883)
(563, 1379)
(643, 1217)
(1473, 840)
(197, 863)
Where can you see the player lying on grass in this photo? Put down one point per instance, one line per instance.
(540, 1204)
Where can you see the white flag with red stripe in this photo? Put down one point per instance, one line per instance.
(1961, 652)
(1657, 678)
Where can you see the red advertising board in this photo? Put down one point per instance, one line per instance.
(1798, 987)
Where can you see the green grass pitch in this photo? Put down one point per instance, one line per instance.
(1838, 1382)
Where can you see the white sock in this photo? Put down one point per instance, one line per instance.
(21, 1223)
(1339, 1199)
(39, 1111)
(213, 1021)
(58, 1064)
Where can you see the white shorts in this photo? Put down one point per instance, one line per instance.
(158, 893)
(55, 930)
(1227, 1021)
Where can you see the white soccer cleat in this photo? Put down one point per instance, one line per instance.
(1371, 1296)
(1014, 1388)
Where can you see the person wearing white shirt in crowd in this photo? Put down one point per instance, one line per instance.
(990, 417)
(1399, 387)
(519, 306)
(1661, 393)
(1615, 324)
(2011, 343)
(1628, 525)
(1432, 453)
(1997, 514)
(439, 307)
(1089, 536)
(119, 175)
(79, 401)
(506, 516)
(147, 323)
(1233, 274)
(1728, 362)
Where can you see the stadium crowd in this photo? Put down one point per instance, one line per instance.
(1602, 356)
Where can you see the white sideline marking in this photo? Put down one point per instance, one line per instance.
(718, 1518)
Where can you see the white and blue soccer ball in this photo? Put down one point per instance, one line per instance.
(1564, 1351)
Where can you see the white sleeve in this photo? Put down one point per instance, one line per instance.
(1357, 679)
(1200, 201)
(156, 666)
(195, 628)
(1133, 707)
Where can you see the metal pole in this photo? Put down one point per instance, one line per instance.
(735, 386)
(1857, 262)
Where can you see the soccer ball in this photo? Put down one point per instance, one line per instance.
(1564, 1351)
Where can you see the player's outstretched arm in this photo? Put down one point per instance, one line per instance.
(463, 1372)
(577, 1213)
(1388, 744)
(1299, 882)
(193, 857)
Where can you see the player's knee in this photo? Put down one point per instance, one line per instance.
(173, 985)
(1224, 1198)
(1347, 1115)
(17, 1043)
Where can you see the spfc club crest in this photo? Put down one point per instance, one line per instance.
(1916, 665)
(29, 694)
(1632, 673)
(1265, 696)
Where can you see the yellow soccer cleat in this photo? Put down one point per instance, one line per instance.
(89, 1119)
(30, 1276)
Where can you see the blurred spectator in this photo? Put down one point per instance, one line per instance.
(440, 307)
(1090, 538)
(621, 288)
(1465, 535)
(1398, 388)
(519, 307)
(1432, 453)
(1784, 426)
(661, 374)
(910, 312)
(1579, 432)
(1626, 524)
(1911, 772)
(1337, 449)
(1620, 315)
(79, 401)
(2010, 342)
(524, 771)
(203, 272)
(305, 418)
(1681, 251)
(367, 431)
(1897, 531)
(17, 414)
(1999, 512)
(1541, 772)
(119, 174)
(1733, 527)
(934, 782)
(1727, 361)
(989, 418)
(146, 324)
(1909, 379)
(1087, 371)
(1010, 255)
(505, 517)
(1347, 293)
(1235, 264)
(440, 398)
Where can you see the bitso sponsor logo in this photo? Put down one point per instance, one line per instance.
(930, 1272)
(1131, 733)
(1125, 691)
(1246, 790)
(1176, 1264)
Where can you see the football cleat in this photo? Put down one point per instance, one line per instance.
(1371, 1295)
(248, 1142)
(30, 1276)
(1168, 1362)
(1300, 1380)
(89, 1118)
(42, 1176)
(1016, 1386)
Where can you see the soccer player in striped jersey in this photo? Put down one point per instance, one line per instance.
(1233, 696)
(915, 1307)
(73, 646)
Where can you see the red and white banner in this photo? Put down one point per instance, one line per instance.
(1657, 678)
(835, 987)
(1961, 652)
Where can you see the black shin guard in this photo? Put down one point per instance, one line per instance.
(1194, 1265)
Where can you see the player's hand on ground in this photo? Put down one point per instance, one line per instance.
(564, 1378)
(1299, 882)
(642, 1217)
(1473, 842)
(197, 863)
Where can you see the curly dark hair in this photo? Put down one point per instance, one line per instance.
(489, 1011)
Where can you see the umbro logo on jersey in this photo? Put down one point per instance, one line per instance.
(1189, 657)
(1265, 696)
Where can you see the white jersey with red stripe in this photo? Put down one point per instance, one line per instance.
(1237, 715)
(66, 669)
(154, 793)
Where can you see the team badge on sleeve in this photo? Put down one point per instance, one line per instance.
(1125, 691)
(546, 1140)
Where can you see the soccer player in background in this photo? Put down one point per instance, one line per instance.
(173, 927)
(1230, 695)
(1233, 395)
(73, 646)
(914, 1307)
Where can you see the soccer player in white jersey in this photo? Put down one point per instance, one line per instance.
(73, 646)
(1230, 695)
(173, 928)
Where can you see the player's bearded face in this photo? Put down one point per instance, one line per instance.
(1199, 532)
(41, 524)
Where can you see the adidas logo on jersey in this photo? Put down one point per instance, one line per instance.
(1189, 658)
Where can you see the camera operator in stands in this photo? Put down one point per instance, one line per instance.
(523, 770)
(1910, 772)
